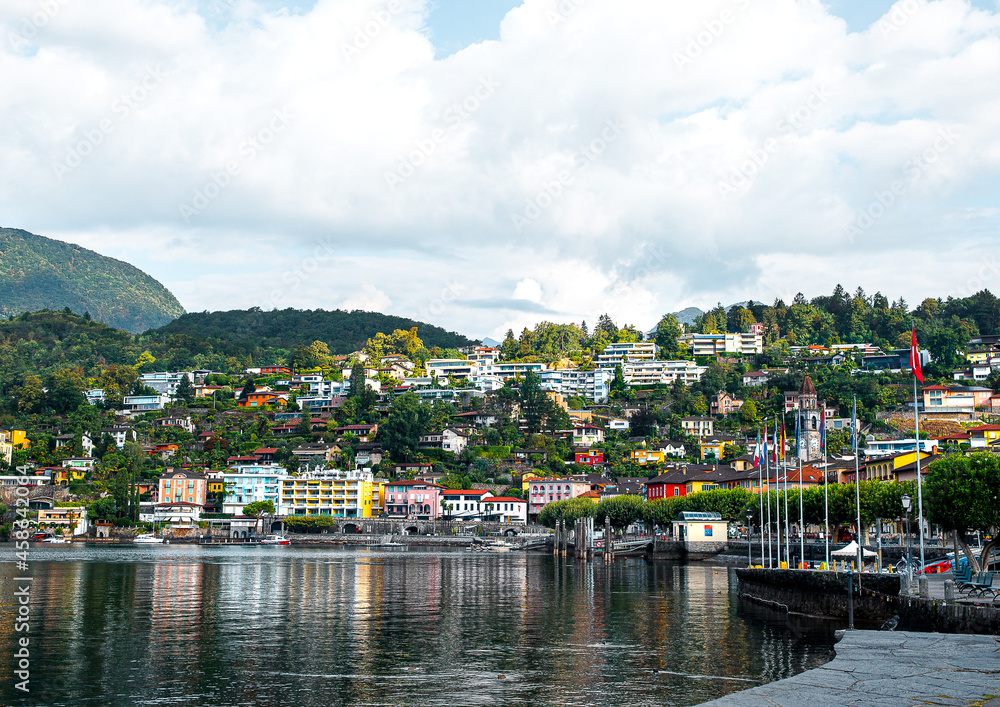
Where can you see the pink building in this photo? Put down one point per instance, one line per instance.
(545, 491)
(415, 500)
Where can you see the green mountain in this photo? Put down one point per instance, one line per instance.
(343, 332)
(40, 273)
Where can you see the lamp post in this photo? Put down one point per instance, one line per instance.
(905, 500)
(750, 544)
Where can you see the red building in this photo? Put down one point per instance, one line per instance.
(590, 457)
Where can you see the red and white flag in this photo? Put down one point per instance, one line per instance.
(915, 357)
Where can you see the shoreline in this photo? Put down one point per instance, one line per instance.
(885, 667)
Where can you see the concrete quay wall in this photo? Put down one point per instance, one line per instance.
(881, 668)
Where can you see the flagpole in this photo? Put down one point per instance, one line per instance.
(777, 495)
(802, 515)
(826, 492)
(788, 522)
(918, 374)
(920, 495)
(760, 484)
(857, 482)
(767, 468)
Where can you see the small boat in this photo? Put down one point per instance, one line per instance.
(275, 540)
(147, 538)
(58, 541)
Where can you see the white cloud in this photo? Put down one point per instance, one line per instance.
(579, 162)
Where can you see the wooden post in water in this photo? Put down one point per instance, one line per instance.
(555, 540)
(609, 554)
(565, 540)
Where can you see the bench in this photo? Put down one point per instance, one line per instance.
(982, 586)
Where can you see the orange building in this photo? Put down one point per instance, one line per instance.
(179, 486)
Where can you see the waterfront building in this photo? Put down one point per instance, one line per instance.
(413, 500)
(504, 509)
(246, 483)
(342, 494)
(464, 504)
(543, 491)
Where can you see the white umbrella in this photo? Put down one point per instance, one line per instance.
(852, 551)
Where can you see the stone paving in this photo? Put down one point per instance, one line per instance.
(886, 669)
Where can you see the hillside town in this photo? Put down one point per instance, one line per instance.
(485, 434)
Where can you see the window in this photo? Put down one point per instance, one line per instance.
(677, 491)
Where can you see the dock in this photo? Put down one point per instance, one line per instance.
(883, 668)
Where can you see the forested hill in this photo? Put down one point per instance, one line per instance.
(40, 273)
(342, 331)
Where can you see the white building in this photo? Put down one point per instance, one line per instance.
(591, 385)
(889, 447)
(662, 372)
(620, 354)
(464, 504)
(164, 382)
(145, 403)
(504, 509)
(247, 483)
(329, 492)
(457, 368)
(450, 440)
(716, 344)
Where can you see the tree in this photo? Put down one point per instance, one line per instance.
(407, 422)
(748, 413)
(622, 510)
(185, 391)
(668, 334)
(532, 402)
(961, 494)
(31, 395)
(249, 387)
(509, 349)
(568, 510)
(102, 509)
(258, 510)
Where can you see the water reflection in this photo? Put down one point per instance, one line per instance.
(260, 626)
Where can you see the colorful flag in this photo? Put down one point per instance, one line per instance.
(756, 453)
(765, 452)
(822, 439)
(915, 357)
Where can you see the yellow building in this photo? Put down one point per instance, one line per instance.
(378, 497)
(887, 468)
(343, 494)
(11, 439)
(712, 448)
(526, 480)
(696, 485)
(18, 438)
(642, 457)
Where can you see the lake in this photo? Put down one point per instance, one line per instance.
(203, 626)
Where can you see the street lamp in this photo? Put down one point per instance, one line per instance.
(905, 500)
(749, 544)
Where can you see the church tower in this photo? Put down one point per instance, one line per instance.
(811, 422)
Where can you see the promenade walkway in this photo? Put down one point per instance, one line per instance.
(887, 669)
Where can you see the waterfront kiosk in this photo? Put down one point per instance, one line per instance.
(699, 526)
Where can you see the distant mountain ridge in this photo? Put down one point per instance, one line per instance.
(342, 331)
(41, 273)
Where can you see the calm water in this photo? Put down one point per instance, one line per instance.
(182, 625)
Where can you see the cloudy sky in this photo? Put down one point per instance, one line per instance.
(485, 164)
